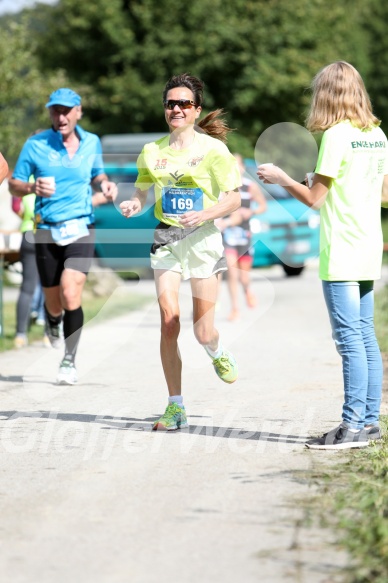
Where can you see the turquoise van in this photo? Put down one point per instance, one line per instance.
(286, 234)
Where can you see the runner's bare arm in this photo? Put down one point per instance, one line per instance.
(3, 168)
(20, 188)
(244, 213)
(135, 205)
(258, 196)
(230, 202)
(41, 187)
(233, 220)
(108, 189)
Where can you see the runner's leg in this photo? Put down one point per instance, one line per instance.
(30, 279)
(167, 288)
(232, 278)
(204, 299)
(245, 264)
(53, 303)
(204, 293)
(72, 284)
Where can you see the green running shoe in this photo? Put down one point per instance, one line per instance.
(174, 418)
(226, 367)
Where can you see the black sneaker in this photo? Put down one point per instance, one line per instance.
(339, 438)
(373, 433)
(53, 329)
(54, 333)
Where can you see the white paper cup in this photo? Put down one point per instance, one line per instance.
(310, 177)
(50, 180)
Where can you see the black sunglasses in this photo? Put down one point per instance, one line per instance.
(181, 103)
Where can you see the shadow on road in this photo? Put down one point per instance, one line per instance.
(134, 424)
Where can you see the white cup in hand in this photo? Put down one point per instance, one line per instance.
(47, 182)
(310, 178)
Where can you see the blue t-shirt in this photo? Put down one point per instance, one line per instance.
(45, 155)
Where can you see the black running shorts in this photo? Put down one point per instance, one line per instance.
(53, 259)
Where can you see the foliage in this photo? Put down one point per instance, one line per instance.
(377, 50)
(353, 502)
(23, 88)
(381, 318)
(256, 57)
(91, 307)
(353, 495)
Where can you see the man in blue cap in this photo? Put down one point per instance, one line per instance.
(66, 163)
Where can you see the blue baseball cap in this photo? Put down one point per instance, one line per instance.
(64, 96)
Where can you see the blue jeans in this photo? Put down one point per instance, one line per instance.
(351, 305)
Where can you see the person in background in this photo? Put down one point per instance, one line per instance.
(66, 162)
(3, 168)
(24, 208)
(237, 240)
(351, 173)
(190, 168)
(37, 315)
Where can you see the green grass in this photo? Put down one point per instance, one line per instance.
(91, 307)
(353, 496)
(352, 501)
(381, 318)
(361, 508)
(384, 225)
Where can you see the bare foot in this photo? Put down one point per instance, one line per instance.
(251, 300)
(234, 315)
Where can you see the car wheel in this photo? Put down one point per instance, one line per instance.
(291, 271)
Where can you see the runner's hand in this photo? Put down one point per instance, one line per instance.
(109, 189)
(192, 219)
(130, 207)
(44, 187)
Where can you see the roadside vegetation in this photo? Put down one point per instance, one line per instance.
(352, 497)
(92, 306)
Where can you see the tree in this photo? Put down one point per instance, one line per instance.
(256, 57)
(377, 49)
(23, 89)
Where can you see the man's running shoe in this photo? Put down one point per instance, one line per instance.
(67, 374)
(46, 341)
(339, 438)
(373, 433)
(54, 333)
(226, 367)
(20, 341)
(174, 418)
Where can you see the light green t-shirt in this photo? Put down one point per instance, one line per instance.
(189, 179)
(28, 202)
(351, 240)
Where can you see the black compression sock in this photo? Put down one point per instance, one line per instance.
(72, 327)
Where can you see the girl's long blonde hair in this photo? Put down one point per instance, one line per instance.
(339, 94)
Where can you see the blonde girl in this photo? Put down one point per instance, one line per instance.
(351, 171)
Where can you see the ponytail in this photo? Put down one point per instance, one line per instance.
(214, 125)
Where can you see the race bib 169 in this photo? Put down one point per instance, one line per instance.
(177, 201)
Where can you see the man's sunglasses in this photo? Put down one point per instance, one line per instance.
(181, 103)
